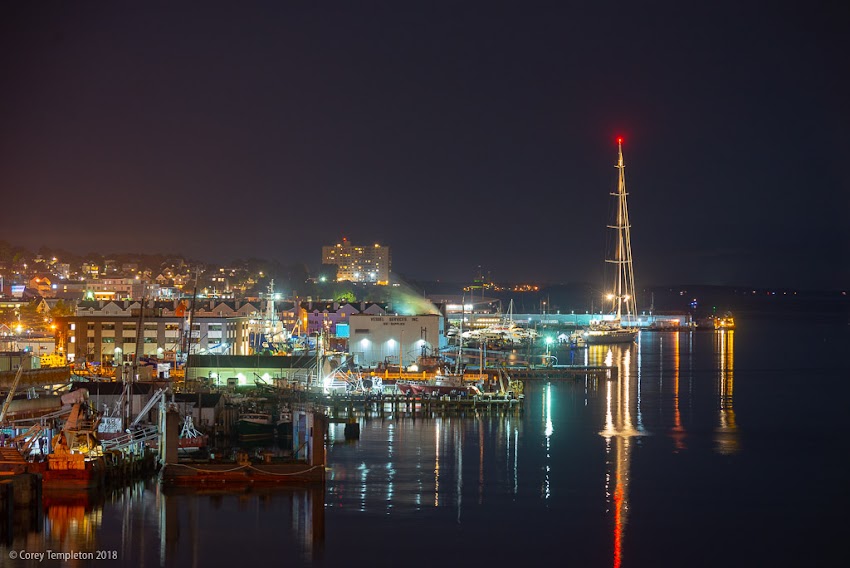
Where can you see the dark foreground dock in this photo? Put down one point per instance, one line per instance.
(242, 472)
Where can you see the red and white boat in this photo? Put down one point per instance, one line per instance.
(440, 385)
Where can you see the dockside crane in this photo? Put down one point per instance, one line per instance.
(11, 392)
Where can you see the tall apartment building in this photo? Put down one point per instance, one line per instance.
(359, 263)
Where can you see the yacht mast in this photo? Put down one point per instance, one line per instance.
(623, 294)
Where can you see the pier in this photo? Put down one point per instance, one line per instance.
(345, 407)
(306, 465)
(20, 503)
(561, 372)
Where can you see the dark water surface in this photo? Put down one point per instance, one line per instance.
(710, 449)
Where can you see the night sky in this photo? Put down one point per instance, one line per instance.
(460, 134)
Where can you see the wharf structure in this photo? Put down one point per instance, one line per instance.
(577, 321)
(306, 465)
(376, 339)
(33, 375)
(242, 370)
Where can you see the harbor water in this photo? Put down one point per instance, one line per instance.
(709, 449)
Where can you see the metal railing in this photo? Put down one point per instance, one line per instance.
(130, 438)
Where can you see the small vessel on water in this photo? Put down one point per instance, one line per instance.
(440, 385)
(77, 459)
(622, 285)
(726, 321)
(505, 333)
(284, 423)
(255, 427)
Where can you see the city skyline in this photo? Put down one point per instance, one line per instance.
(461, 136)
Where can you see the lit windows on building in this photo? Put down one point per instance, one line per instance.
(359, 263)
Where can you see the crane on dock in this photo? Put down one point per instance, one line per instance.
(11, 394)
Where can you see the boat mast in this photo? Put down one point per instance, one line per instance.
(624, 285)
(191, 325)
(460, 333)
(269, 318)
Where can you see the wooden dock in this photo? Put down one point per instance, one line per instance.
(11, 461)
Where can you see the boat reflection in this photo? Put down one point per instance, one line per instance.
(72, 519)
(726, 433)
(619, 430)
(144, 524)
(677, 432)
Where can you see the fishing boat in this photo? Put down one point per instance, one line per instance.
(620, 326)
(440, 385)
(255, 427)
(284, 423)
(78, 459)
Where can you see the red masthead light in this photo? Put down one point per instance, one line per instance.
(619, 140)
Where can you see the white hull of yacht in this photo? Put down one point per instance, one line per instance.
(601, 337)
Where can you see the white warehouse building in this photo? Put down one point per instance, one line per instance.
(378, 339)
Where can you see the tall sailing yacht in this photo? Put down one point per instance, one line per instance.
(621, 289)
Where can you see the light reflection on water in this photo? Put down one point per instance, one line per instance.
(633, 471)
(143, 524)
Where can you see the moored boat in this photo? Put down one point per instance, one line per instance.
(78, 459)
(255, 427)
(622, 284)
(597, 335)
(452, 385)
(284, 423)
